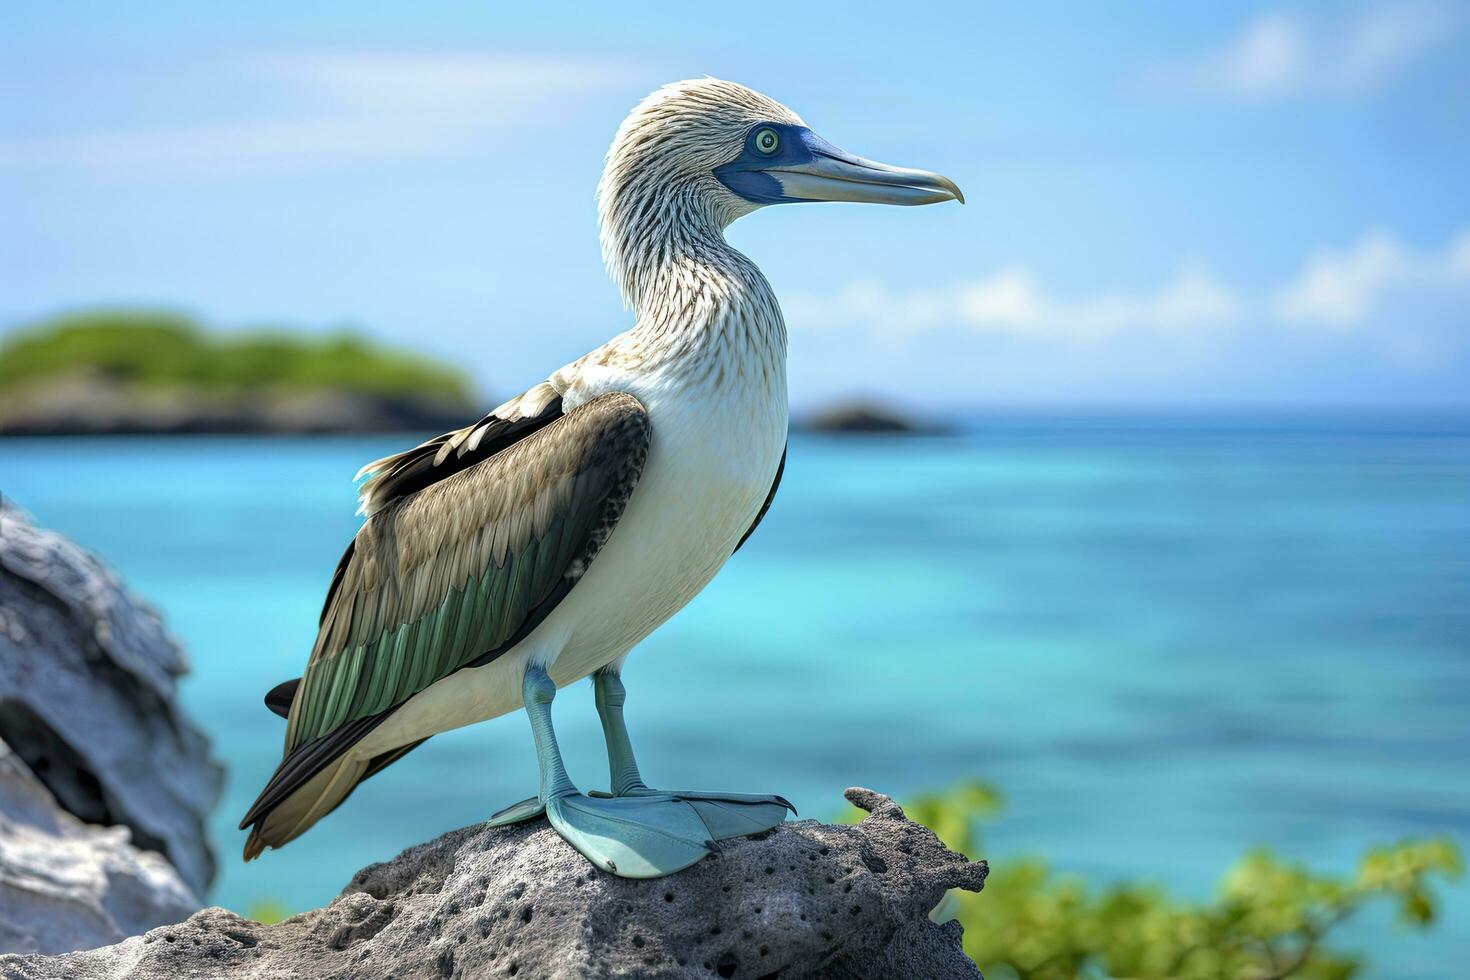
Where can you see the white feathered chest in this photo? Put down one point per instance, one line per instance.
(717, 401)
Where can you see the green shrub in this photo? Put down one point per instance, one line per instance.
(1270, 918)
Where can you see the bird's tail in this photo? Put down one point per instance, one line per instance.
(311, 782)
(315, 798)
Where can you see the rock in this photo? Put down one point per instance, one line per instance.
(866, 417)
(65, 885)
(805, 900)
(87, 699)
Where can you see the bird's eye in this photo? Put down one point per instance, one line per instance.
(767, 141)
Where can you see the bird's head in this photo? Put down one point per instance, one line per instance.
(707, 151)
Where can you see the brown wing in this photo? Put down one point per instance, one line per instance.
(459, 570)
(450, 571)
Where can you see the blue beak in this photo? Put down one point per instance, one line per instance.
(808, 168)
(836, 175)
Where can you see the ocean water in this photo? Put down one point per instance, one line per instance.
(1166, 639)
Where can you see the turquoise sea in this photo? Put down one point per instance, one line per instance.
(1165, 639)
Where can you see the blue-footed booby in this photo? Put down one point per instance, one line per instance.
(537, 546)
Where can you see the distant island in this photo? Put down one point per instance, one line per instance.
(109, 372)
(132, 371)
(866, 417)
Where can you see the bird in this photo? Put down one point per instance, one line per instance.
(538, 545)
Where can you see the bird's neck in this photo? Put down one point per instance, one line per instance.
(691, 290)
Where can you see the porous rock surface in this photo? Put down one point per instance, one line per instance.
(67, 885)
(87, 698)
(805, 900)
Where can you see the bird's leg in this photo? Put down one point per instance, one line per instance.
(724, 814)
(610, 695)
(537, 692)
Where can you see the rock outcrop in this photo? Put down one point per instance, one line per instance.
(88, 711)
(868, 418)
(805, 900)
(66, 885)
(91, 405)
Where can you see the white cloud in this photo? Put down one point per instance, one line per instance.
(1370, 320)
(1411, 304)
(1343, 289)
(341, 108)
(1269, 56)
(1010, 301)
(1281, 54)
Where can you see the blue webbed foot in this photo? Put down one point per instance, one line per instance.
(517, 813)
(646, 833)
(724, 815)
(635, 832)
(632, 836)
(645, 836)
(727, 815)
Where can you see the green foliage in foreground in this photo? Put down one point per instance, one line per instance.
(160, 349)
(1269, 919)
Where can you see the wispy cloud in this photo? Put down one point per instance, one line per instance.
(1344, 288)
(1012, 301)
(1280, 54)
(1378, 287)
(341, 108)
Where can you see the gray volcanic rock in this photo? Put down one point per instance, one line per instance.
(66, 885)
(87, 700)
(805, 900)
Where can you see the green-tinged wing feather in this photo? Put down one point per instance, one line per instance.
(452, 571)
(436, 627)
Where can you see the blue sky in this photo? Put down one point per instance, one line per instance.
(1169, 204)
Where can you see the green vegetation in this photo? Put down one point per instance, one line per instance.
(267, 911)
(161, 350)
(1270, 918)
